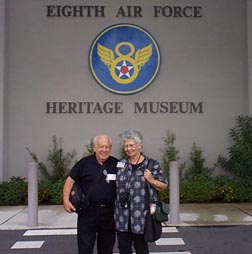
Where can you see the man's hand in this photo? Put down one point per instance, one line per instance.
(68, 206)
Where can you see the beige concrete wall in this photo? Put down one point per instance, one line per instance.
(249, 36)
(202, 60)
(2, 38)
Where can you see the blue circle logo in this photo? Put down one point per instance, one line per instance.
(124, 59)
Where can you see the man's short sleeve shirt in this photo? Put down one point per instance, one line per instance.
(85, 172)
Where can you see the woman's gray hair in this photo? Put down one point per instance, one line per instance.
(132, 134)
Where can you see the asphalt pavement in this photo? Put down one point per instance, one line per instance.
(54, 216)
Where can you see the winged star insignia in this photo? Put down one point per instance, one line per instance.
(125, 67)
(124, 58)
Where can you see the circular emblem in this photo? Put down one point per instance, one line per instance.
(124, 59)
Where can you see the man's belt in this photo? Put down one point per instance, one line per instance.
(101, 205)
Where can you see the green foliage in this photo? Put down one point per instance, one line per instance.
(13, 192)
(56, 192)
(89, 149)
(233, 189)
(58, 162)
(198, 169)
(197, 190)
(170, 153)
(44, 191)
(197, 186)
(122, 153)
(240, 153)
(201, 189)
(242, 190)
(224, 191)
(164, 195)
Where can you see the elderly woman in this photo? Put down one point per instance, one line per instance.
(130, 206)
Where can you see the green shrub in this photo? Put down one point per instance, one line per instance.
(169, 153)
(224, 190)
(233, 189)
(197, 168)
(240, 153)
(197, 186)
(57, 192)
(58, 162)
(89, 149)
(44, 191)
(164, 195)
(13, 192)
(197, 190)
(242, 190)
(201, 189)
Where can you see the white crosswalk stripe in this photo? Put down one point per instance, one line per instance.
(169, 252)
(169, 230)
(164, 241)
(27, 245)
(172, 252)
(38, 232)
(170, 241)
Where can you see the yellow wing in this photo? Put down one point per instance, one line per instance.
(143, 55)
(106, 55)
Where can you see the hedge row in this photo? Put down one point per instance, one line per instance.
(219, 189)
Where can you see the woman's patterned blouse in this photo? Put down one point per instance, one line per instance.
(133, 181)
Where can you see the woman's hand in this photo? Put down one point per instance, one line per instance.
(148, 176)
(151, 180)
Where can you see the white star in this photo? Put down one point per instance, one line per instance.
(124, 69)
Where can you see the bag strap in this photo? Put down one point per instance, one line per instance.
(149, 166)
(91, 188)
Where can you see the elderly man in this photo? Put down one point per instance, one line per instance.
(97, 221)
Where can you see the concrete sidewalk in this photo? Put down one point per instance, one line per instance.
(227, 214)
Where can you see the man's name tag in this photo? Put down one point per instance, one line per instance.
(111, 177)
(120, 164)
